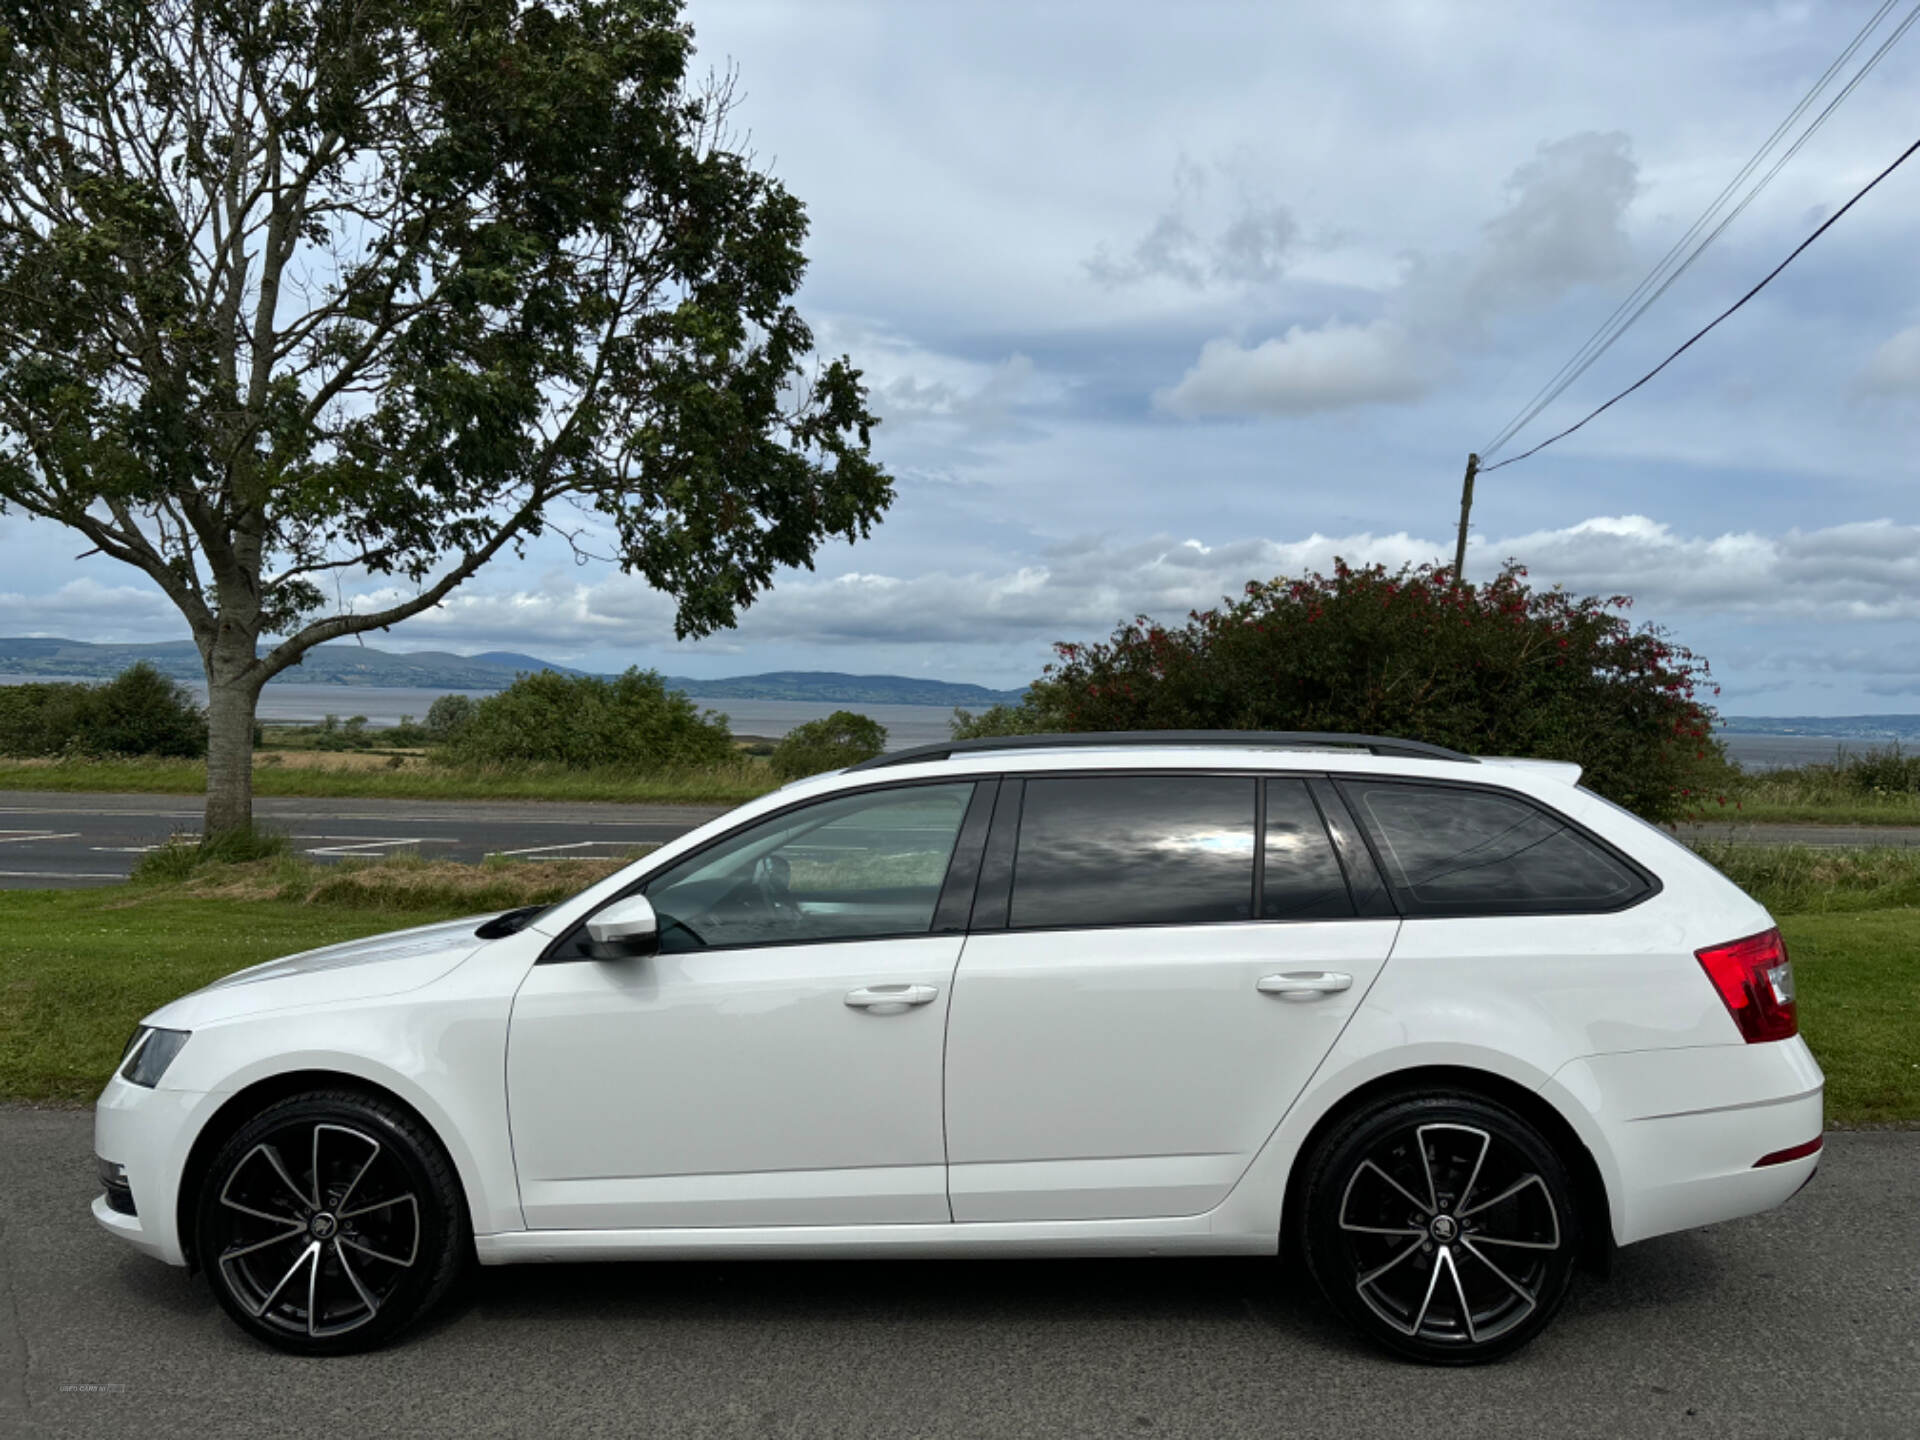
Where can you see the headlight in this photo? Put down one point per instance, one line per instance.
(149, 1054)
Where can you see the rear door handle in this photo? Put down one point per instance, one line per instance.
(890, 999)
(1304, 982)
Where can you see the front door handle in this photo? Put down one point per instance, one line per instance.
(890, 999)
(1304, 982)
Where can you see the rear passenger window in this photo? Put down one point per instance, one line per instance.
(1134, 850)
(1301, 877)
(1453, 851)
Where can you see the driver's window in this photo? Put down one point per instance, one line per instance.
(861, 865)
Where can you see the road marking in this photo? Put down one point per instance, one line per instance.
(14, 837)
(60, 875)
(361, 843)
(546, 849)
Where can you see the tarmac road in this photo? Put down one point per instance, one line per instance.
(61, 841)
(1801, 1322)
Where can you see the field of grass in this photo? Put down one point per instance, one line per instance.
(1858, 977)
(358, 775)
(78, 968)
(1874, 787)
(1800, 879)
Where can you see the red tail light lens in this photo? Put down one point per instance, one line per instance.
(1755, 979)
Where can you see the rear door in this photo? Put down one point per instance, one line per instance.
(1156, 965)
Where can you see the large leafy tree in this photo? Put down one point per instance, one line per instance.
(297, 291)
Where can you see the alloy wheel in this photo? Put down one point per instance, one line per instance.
(1450, 1235)
(319, 1224)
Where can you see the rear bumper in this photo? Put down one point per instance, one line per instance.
(1687, 1127)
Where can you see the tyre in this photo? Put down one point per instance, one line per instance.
(329, 1222)
(1442, 1227)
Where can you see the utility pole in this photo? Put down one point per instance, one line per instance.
(1466, 508)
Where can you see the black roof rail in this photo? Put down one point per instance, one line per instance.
(1115, 739)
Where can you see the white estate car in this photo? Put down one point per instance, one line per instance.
(1440, 1027)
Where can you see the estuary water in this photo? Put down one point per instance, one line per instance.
(906, 724)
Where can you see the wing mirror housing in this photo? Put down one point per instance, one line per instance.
(625, 930)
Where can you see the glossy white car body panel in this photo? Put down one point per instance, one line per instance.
(1133, 1072)
(732, 1087)
(1087, 1091)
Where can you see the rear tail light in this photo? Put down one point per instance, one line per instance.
(1755, 979)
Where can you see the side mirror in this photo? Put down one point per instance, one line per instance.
(624, 930)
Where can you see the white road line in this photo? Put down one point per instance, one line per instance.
(362, 844)
(60, 875)
(544, 849)
(15, 837)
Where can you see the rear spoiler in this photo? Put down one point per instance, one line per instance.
(1565, 771)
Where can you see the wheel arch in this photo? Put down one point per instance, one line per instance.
(1590, 1187)
(243, 1104)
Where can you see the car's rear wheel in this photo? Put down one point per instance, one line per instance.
(329, 1221)
(1443, 1227)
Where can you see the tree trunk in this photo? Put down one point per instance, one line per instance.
(233, 691)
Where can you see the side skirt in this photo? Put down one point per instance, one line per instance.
(1188, 1235)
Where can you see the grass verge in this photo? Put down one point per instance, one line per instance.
(1802, 879)
(1858, 977)
(415, 780)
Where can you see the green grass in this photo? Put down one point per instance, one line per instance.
(78, 968)
(1869, 788)
(1858, 977)
(1802, 879)
(728, 785)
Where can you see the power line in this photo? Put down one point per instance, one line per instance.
(1700, 334)
(1671, 266)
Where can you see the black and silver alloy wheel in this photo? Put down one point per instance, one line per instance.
(1444, 1228)
(328, 1222)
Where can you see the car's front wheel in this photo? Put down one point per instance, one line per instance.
(329, 1221)
(1444, 1227)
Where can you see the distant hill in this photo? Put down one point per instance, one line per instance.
(363, 665)
(338, 664)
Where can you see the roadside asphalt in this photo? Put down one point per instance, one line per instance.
(1801, 1322)
(63, 841)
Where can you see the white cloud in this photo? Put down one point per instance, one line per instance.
(86, 609)
(1300, 372)
(1563, 227)
(1251, 247)
(1894, 368)
(1860, 572)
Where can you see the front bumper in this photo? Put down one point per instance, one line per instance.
(149, 1132)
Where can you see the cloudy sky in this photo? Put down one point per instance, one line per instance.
(1155, 300)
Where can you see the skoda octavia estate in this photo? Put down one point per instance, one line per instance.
(1437, 1029)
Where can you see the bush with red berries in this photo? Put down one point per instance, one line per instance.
(1494, 669)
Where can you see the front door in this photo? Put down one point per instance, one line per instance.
(1172, 957)
(779, 1061)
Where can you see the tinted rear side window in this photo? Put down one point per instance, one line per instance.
(1134, 850)
(1301, 877)
(1454, 851)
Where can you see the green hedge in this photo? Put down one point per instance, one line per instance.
(1494, 669)
(138, 712)
(583, 722)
